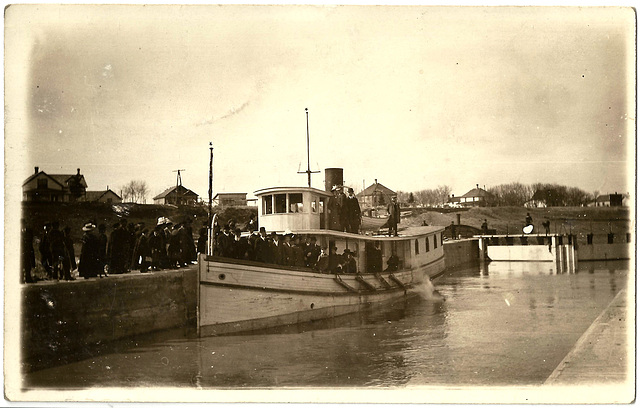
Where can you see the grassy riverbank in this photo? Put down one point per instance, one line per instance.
(578, 220)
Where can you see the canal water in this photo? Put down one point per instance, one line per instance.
(498, 324)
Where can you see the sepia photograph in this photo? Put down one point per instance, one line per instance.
(320, 204)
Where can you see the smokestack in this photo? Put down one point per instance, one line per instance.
(332, 177)
(37, 169)
(477, 186)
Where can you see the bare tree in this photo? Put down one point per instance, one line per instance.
(135, 192)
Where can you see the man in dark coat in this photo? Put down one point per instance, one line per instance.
(240, 245)
(353, 213)
(349, 263)
(89, 265)
(175, 248)
(297, 253)
(202, 240)
(394, 216)
(252, 225)
(144, 251)
(311, 252)
(275, 249)
(58, 250)
(261, 248)
(156, 247)
(103, 241)
(225, 242)
(28, 254)
(344, 215)
(118, 248)
(334, 210)
(70, 262)
(45, 250)
(375, 258)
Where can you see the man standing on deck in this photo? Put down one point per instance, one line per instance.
(261, 250)
(353, 212)
(334, 210)
(394, 216)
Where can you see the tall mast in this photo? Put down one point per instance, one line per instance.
(210, 180)
(306, 111)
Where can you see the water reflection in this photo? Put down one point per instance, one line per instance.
(496, 324)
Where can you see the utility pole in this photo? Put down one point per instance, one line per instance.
(178, 184)
(306, 111)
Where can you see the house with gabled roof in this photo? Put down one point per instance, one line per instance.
(42, 186)
(610, 200)
(104, 196)
(476, 197)
(375, 195)
(176, 195)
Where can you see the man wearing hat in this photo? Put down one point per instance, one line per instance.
(352, 210)
(394, 216)
(334, 210)
(349, 262)
(89, 253)
(261, 249)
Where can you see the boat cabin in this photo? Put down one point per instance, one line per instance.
(291, 208)
(302, 211)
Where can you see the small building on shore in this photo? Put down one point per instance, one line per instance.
(476, 197)
(375, 195)
(610, 200)
(104, 196)
(176, 195)
(230, 199)
(42, 186)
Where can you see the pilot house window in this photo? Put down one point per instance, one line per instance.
(281, 203)
(295, 203)
(267, 204)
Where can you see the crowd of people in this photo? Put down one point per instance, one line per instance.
(289, 249)
(128, 247)
(281, 249)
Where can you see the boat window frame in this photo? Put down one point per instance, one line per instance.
(435, 241)
(276, 204)
(426, 244)
(417, 246)
(267, 204)
(290, 203)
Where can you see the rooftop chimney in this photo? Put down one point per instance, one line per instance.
(477, 186)
(78, 171)
(37, 169)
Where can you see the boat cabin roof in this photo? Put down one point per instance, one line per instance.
(272, 190)
(408, 233)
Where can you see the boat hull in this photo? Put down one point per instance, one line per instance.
(246, 296)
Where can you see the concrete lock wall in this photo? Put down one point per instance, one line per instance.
(65, 319)
(459, 252)
(604, 251)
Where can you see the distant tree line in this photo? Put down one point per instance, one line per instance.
(509, 194)
(428, 198)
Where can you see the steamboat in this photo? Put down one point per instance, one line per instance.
(243, 295)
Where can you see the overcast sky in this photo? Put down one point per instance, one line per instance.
(414, 96)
